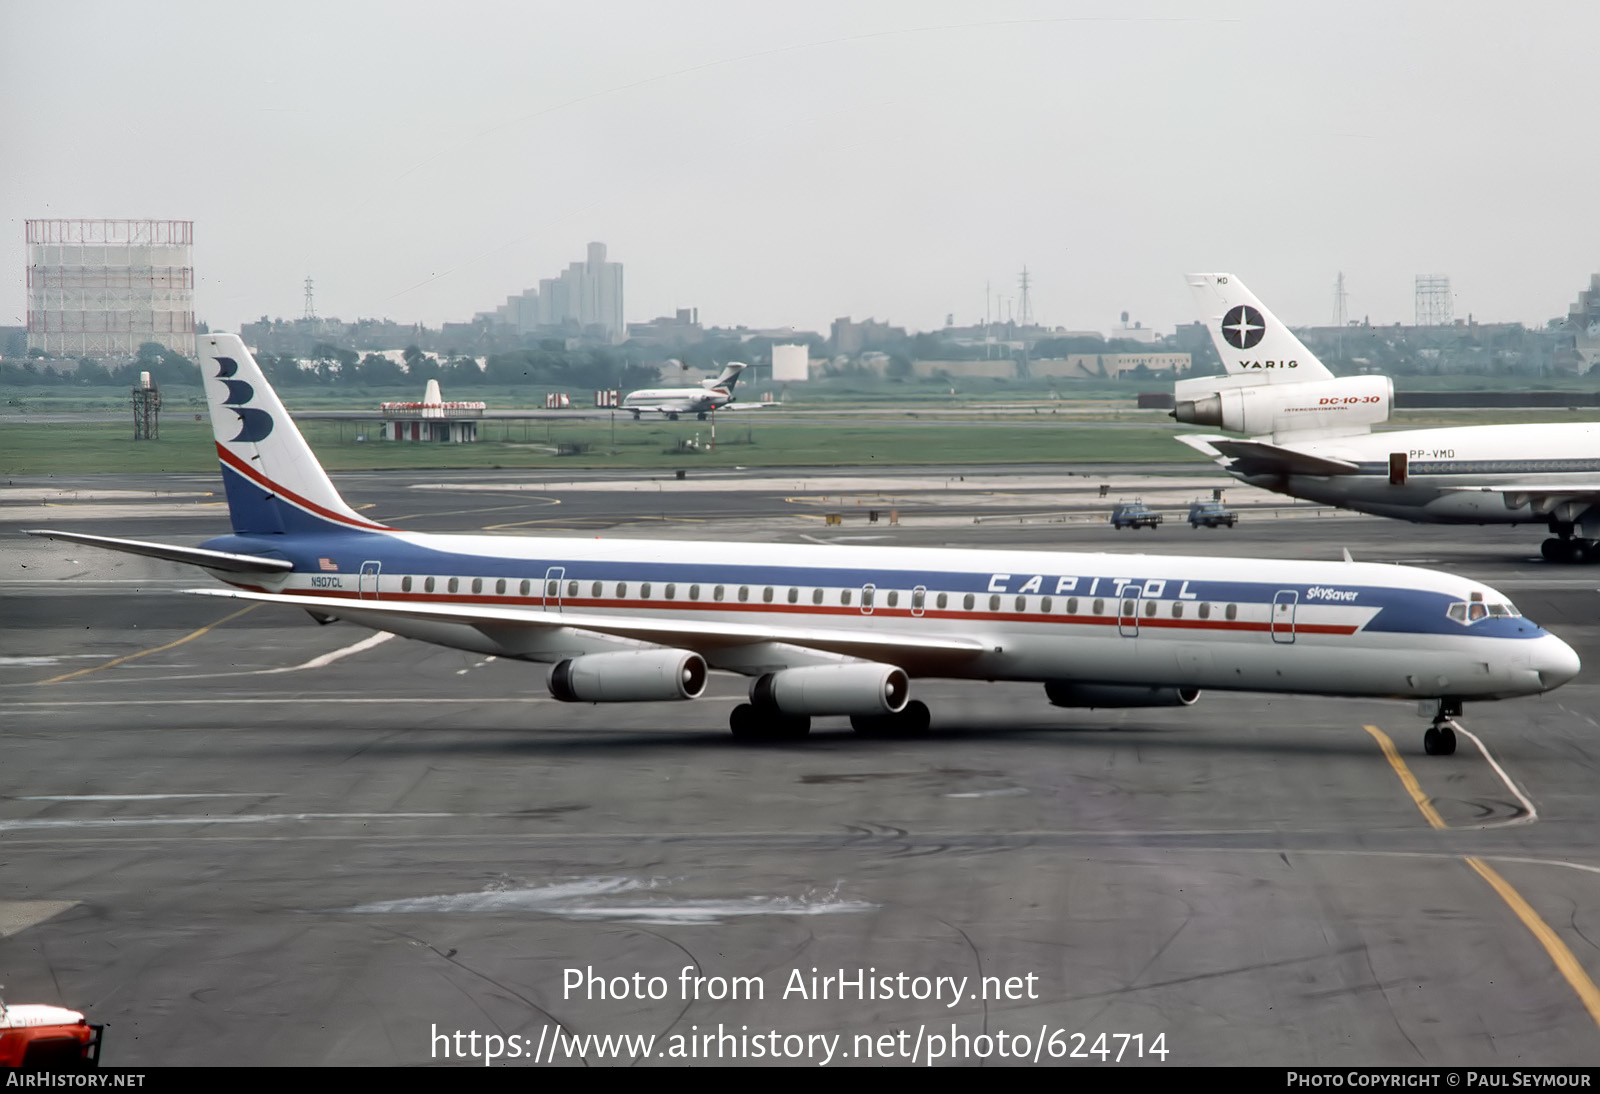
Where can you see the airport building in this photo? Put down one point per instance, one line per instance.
(433, 419)
(103, 288)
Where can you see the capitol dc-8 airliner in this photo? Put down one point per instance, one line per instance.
(844, 630)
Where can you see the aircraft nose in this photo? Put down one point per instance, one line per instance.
(1555, 662)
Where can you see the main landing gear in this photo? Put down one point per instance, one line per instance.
(1569, 550)
(911, 721)
(750, 722)
(1563, 546)
(1440, 738)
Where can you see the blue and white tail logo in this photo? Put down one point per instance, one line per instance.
(273, 480)
(254, 425)
(1249, 338)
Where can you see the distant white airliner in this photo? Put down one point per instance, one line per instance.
(713, 394)
(842, 630)
(1312, 438)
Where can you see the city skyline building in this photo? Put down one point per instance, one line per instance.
(587, 295)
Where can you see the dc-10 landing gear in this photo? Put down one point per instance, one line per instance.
(1569, 550)
(1440, 738)
(1563, 546)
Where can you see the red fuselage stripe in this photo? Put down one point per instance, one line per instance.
(289, 495)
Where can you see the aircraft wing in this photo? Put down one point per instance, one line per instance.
(1542, 497)
(195, 556)
(1263, 458)
(1565, 489)
(679, 633)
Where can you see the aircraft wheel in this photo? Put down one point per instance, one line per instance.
(1562, 550)
(869, 725)
(1447, 741)
(672, 417)
(701, 415)
(911, 721)
(745, 722)
(914, 719)
(1430, 741)
(752, 723)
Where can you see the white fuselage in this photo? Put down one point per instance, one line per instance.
(677, 400)
(1266, 625)
(1486, 474)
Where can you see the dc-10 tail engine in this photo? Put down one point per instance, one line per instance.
(629, 677)
(1243, 404)
(1066, 693)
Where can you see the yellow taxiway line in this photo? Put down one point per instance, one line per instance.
(146, 653)
(1565, 962)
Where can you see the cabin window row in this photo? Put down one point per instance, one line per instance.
(891, 599)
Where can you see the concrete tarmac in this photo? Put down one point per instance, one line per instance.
(242, 838)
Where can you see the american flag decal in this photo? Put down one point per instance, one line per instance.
(327, 564)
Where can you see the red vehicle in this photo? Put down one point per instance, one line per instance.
(47, 1038)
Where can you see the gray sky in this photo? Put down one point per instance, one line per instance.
(784, 165)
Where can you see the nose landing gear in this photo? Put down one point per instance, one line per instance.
(1440, 738)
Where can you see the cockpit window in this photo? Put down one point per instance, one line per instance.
(1470, 612)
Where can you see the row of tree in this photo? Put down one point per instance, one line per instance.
(331, 366)
(166, 367)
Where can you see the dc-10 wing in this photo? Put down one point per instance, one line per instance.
(697, 635)
(194, 556)
(1264, 458)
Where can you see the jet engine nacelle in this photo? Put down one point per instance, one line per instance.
(861, 689)
(629, 677)
(1242, 405)
(1066, 693)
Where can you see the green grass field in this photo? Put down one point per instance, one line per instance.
(77, 448)
(765, 440)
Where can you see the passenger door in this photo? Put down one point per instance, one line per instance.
(552, 587)
(1282, 624)
(1128, 611)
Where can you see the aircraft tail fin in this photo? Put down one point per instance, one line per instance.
(274, 482)
(1249, 338)
(727, 377)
